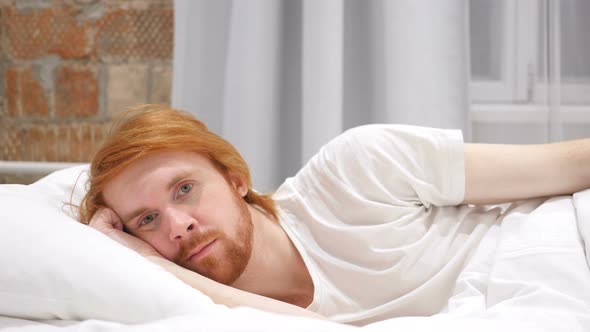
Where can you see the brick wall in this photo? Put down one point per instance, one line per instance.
(69, 66)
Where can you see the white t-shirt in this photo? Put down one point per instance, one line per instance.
(374, 217)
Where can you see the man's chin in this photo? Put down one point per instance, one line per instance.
(225, 274)
(223, 277)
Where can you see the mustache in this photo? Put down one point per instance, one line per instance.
(191, 243)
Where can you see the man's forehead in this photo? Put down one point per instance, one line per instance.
(137, 192)
(154, 174)
(174, 157)
(166, 161)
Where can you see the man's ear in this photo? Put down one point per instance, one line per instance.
(239, 184)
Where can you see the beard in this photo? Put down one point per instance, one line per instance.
(228, 263)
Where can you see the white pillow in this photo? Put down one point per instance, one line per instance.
(582, 204)
(53, 267)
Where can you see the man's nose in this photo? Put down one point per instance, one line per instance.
(181, 223)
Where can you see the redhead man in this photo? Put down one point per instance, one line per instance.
(378, 224)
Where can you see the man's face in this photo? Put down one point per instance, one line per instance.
(179, 203)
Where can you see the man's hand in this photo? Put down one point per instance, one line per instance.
(108, 222)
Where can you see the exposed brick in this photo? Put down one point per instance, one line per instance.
(34, 144)
(76, 92)
(137, 4)
(50, 144)
(11, 92)
(73, 142)
(24, 93)
(100, 133)
(86, 142)
(4, 3)
(33, 101)
(75, 146)
(134, 33)
(35, 33)
(127, 86)
(63, 146)
(5, 144)
(11, 142)
(65, 94)
(161, 85)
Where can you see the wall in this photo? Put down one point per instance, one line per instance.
(69, 67)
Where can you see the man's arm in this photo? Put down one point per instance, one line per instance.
(106, 221)
(229, 296)
(496, 173)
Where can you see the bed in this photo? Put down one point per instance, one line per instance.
(530, 273)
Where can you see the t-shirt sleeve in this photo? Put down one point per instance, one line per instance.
(395, 164)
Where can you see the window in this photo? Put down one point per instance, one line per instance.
(530, 66)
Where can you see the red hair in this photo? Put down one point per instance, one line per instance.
(149, 128)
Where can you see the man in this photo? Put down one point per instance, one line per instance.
(378, 224)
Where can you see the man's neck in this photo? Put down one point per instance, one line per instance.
(275, 269)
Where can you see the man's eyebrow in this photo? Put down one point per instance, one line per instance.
(169, 187)
(133, 215)
(176, 179)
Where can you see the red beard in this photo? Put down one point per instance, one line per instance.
(230, 257)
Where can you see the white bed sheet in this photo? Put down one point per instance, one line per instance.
(530, 273)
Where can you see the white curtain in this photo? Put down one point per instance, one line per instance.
(279, 78)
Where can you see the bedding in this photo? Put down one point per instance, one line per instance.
(531, 273)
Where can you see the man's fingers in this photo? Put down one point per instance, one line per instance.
(108, 222)
(106, 219)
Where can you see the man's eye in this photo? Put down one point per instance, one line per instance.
(147, 220)
(184, 189)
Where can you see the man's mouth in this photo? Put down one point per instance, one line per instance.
(201, 250)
